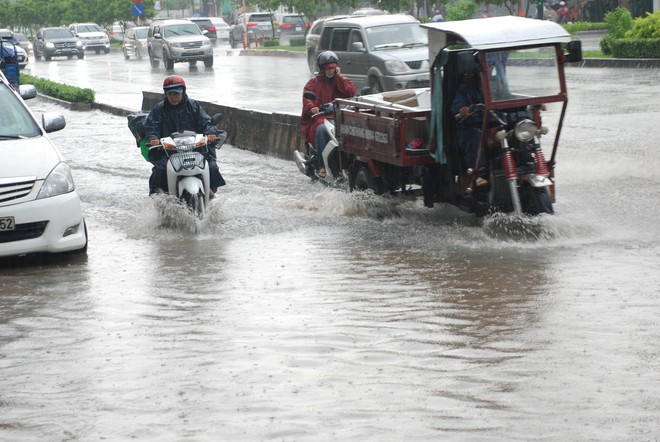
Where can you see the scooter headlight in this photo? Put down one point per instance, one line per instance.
(525, 130)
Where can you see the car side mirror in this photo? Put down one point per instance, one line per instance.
(574, 51)
(358, 46)
(27, 91)
(52, 122)
(157, 35)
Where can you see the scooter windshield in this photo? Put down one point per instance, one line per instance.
(523, 73)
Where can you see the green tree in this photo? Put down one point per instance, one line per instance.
(461, 10)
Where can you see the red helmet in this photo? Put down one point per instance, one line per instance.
(174, 83)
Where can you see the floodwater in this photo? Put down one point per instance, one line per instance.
(294, 312)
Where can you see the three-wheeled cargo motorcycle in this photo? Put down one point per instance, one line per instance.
(414, 140)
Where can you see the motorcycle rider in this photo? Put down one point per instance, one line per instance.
(327, 85)
(177, 113)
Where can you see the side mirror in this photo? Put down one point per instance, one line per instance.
(52, 122)
(157, 35)
(27, 91)
(358, 46)
(574, 51)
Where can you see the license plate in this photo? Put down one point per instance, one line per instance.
(7, 223)
(298, 29)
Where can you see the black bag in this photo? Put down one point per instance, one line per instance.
(136, 125)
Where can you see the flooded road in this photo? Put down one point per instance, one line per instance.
(300, 313)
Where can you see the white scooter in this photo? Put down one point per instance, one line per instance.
(307, 162)
(188, 176)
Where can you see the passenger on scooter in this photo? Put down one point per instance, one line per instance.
(177, 113)
(327, 85)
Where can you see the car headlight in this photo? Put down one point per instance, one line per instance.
(58, 182)
(396, 67)
(50, 45)
(79, 44)
(176, 45)
(525, 130)
(206, 42)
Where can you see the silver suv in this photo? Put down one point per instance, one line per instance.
(175, 41)
(384, 52)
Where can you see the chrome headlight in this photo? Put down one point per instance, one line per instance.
(79, 44)
(176, 45)
(525, 130)
(58, 182)
(206, 42)
(396, 67)
(49, 45)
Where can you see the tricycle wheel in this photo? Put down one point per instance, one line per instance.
(535, 200)
(364, 180)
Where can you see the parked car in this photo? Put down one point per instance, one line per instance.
(384, 52)
(56, 42)
(21, 54)
(221, 28)
(92, 36)
(206, 26)
(174, 41)
(23, 41)
(135, 43)
(255, 26)
(312, 40)
(40, 210)
(292, 25)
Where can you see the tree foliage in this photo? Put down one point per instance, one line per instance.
(33, 14)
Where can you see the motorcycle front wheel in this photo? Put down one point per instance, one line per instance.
(535, 200)
(195, 203)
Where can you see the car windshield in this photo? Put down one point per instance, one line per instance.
(513, 74)
(89, 28)
(397, 35)
(141, 33)
(219, 23)
(57, 33)
(20, 37)
(15, 120)
(181, 30)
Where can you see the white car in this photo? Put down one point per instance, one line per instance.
(221, 28)
(92, 36)
(40, 209)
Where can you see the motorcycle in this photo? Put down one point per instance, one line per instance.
(307, 161)
(188, 176)
(518, 173)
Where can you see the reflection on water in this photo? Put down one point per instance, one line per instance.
(299, 312)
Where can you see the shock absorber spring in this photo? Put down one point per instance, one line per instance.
(540, 165)
(509, 165)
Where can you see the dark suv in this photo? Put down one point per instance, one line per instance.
(175, 41)
(206, 26)
(56, 42)
(384, 52)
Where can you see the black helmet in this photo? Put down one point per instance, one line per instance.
(326, 57)
(174, 83)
